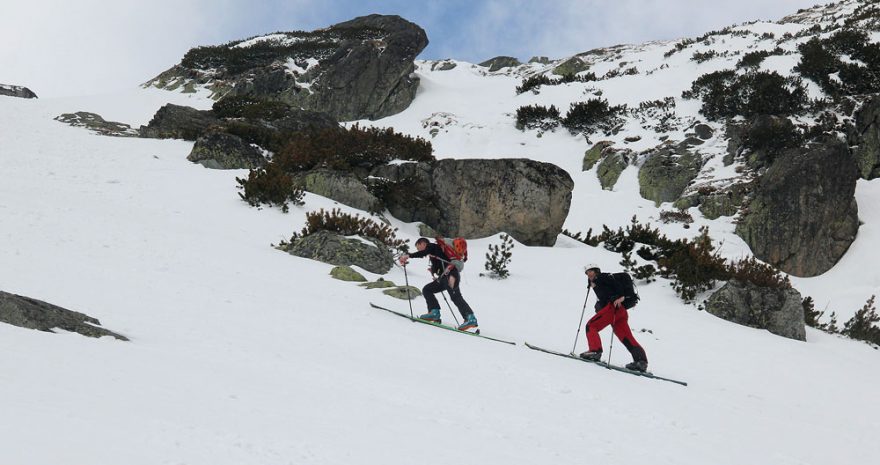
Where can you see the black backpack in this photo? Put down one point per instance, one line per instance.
(625, 282)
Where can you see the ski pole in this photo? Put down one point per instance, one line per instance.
(408, 297)
(611, 344)
(580, 322)
(443, 293)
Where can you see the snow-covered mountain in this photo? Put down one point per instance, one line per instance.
(241, 354)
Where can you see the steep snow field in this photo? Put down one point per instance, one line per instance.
(241, 354)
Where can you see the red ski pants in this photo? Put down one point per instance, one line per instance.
(618, 318)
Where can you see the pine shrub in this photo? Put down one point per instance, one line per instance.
(498, 258)
(593, 115)
(726, 94)
(246, 106)
(349, 225)
(537, 117)
(270, 186)
(862, 326)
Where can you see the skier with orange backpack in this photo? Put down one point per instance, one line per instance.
(447, 260)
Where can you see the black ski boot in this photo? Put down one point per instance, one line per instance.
(638, 365)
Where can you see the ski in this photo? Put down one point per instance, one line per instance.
(439, 325)
(606, 365)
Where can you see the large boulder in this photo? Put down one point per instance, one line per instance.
(334, 249)
(573, 65)
(477, 198)
(803, 215)
(358, 69)
(96, 123)
(179, 122)
(226, 152)
(865, 136)
(337, 185)
(776, 310)
(16, 91)
(667, 172)
(30, 313)
(594, 154)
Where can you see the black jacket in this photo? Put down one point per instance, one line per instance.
(607, 290)
(439, 260)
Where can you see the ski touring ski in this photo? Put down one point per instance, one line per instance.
(606, 365)
(439, 325)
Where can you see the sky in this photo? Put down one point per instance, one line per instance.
(60, 48)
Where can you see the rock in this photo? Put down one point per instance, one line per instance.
(611, 167)
(667, 173)
(337, 185)
(16, 91)
(403, 292)
(226, 152)
(499, 62)
(358, 69)
(427, 231)
(803, 216)
(345, 273)
(723, 203)
(631, 139)
(540, 60)
(776, 310)
(573, 65)
(328, 247)
(30, 313)
(704, 131)
(443, 65)
(96, 123)
(179, 122)
(378, 284)
(593, 155)
(866, 137)
(528, 200)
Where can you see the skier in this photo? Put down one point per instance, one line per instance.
(449, 280)
(611, 309)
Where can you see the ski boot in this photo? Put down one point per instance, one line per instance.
(468, 323)
(432, 315)
(593, 356)
(638, 365)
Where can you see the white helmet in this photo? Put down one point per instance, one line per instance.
(591, 266)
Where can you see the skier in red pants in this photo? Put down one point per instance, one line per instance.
(611, 309)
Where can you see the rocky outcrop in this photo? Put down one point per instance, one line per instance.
(16, 91)
(667, 172)
(334, 249)
(337, 185)
(358, 69)
(573, 65)
(30, 313)
(803, 215)
(96, 123)
(725, 202)
(499, 62)
(776, 310)
(346, 273)
(179, 122)
(611, 166)
(527, 199)
(594, 154)
(865, 136)
(226, 152)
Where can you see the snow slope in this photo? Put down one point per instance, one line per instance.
(241, 354)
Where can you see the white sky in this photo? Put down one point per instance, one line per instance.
(60, 48)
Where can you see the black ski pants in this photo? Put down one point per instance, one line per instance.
(442, 284)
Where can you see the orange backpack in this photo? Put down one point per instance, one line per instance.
(455, 249)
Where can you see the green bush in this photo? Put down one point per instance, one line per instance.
(345, 224)
(862, 325)
(593, 115)
(271, 186)
(533, 82)
(537, 117)
(754, 59)
(345, 150)
(820, 58)
(726, 94)
(701, 57)
(245, 106)
(498, 258)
